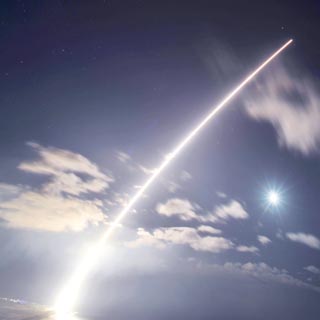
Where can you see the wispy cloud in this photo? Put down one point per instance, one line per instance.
(291, 105)
(63, 167)
(187, 210)
(304, 238)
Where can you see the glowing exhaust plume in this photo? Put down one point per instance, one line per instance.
(67, 298)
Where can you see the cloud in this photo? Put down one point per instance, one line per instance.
(312, 269)
(292, 106)
(181, 208)
(55, 213)
(209, 229)
(8, 191)
(221, 195)
(233, 209)
(304, 238)
(63, 166)
(185, 176)
(56, 205)
(181, 236)
(186, 211)
(122, 156)
(13, 309)
(265, 272)
(54, 160)
(264, 240)
(145, 238)
(250, 249)
(172, 186)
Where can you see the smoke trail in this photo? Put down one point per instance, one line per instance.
(68, 296)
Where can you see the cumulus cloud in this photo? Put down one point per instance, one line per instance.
(264, 240)
(304, 238)
(181, 236)
(312, 269)
(292, 106)
(233, 209)
(181, 208)
(251, 249)
(56, 205)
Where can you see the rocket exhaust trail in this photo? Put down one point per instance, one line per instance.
(67, 298)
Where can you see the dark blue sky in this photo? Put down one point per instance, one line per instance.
(94, 94)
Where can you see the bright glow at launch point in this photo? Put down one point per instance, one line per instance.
(274, 198)
(67, 298)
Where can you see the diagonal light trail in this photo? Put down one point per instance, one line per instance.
(68, 296)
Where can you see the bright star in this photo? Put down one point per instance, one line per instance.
(274, 198)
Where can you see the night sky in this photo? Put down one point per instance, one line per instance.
(95, 94)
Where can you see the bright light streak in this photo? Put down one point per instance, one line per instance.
(67, 298)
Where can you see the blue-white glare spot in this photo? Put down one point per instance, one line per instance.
(274, 198)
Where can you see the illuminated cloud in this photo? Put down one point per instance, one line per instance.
(181, 208)
(292, 106)
(40, 211)
(145, 238)
(56, 205)
(181, 236)
(13, 309)
(62, 166)
(233, 209)
(304, 238)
